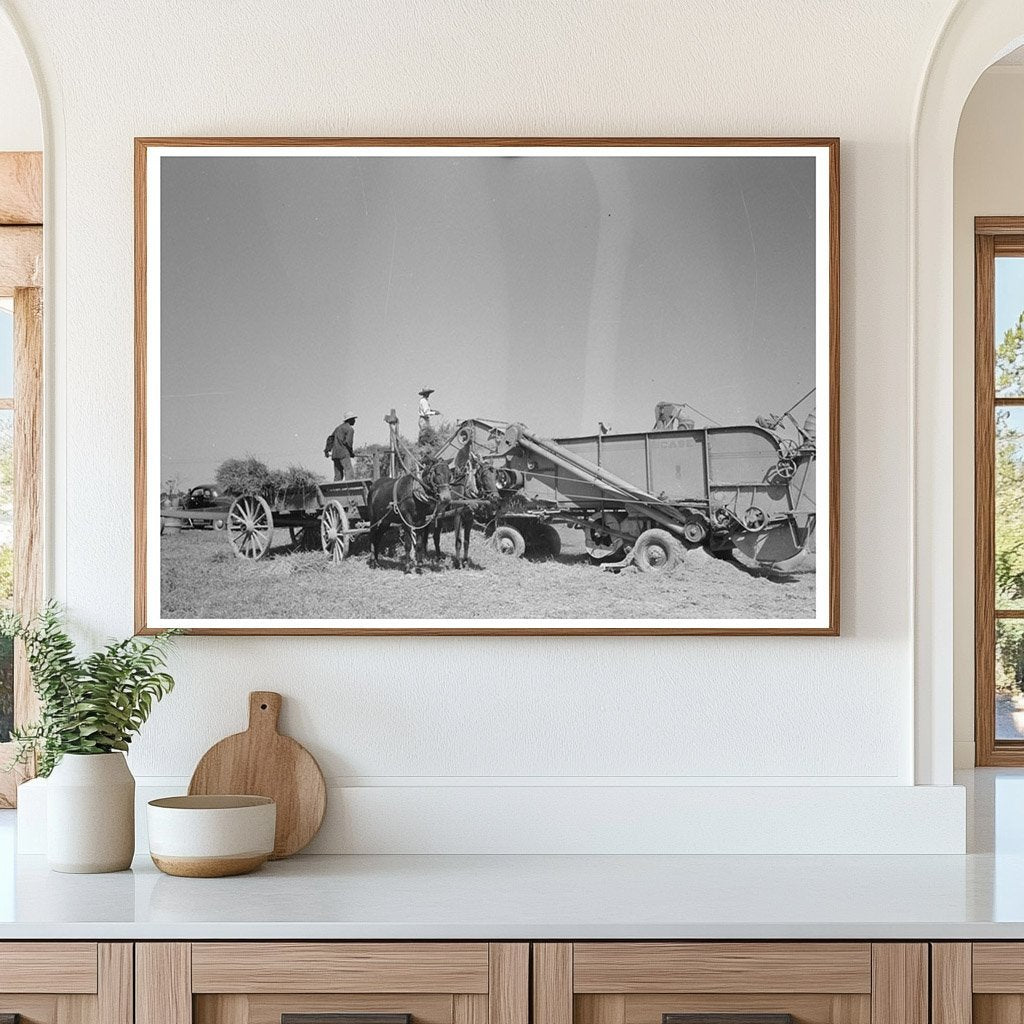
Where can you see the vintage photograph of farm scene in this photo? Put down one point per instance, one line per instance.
(470, 387)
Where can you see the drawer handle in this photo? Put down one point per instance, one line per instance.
(339, 1018)
(727, 1018)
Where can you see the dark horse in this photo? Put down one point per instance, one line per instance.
(413, 503)
(474, 488)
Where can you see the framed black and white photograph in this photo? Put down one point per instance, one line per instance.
(487, 386)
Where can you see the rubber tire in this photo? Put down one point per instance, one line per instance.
(507, 540)
(657, 551)
(546, 540)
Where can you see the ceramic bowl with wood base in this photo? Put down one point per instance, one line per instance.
(211, 836)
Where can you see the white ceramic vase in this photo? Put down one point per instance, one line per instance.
(90, 814)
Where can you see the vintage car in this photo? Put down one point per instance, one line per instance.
(200, 508)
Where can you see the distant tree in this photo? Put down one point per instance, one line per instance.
(1009, 506)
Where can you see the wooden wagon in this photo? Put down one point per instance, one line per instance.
(328, 515)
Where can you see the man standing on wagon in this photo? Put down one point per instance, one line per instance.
(340, 446)
(425, 411)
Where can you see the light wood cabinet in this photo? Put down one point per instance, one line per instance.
(978, 983)
(309, 982)
(498, 983)
(748, 982)
(66, 982)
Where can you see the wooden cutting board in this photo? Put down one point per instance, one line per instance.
(262, 762)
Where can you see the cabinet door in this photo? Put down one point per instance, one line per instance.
(980, 982)
(332, 983)
(65, 983)
(730, 983)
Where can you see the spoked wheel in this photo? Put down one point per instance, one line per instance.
(250, 526)
(656, 551)
(603, 545)
(507, 540)
(301, 537)
(334, 531)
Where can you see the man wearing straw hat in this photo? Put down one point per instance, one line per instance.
(425, 411)
(340, 446)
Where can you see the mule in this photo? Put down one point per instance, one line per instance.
(474, 485)
(413, 503)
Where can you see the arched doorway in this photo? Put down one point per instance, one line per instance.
(976, 34)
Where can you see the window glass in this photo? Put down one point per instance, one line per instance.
(1009, 327)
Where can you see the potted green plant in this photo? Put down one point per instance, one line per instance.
(90, 708)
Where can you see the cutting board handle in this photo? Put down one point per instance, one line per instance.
(264, 710)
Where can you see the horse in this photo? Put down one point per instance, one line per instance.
(411, 502)
(473, 484)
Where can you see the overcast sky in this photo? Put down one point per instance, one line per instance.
(555, 291)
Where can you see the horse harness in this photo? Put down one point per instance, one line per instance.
(417, 482)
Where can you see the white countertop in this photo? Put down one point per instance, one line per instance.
(977, 896)
(497, 897)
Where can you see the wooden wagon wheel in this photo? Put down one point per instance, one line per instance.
(250, 526)
(334, 530)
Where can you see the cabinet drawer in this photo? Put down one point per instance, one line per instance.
(332, 983)
(634, 967)
(66, 982)
(730, 983)
(340, 967)
(981, 982)
(65, 967)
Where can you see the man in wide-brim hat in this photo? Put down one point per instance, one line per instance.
(425, 411)
(340, 447)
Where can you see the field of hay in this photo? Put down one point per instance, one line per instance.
(201, 578)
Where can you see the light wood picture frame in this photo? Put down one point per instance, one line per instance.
(557, 294)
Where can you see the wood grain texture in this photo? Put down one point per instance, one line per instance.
(76, 1009)
(552, 983)
(269, 1008)
(346, 1018)
(603, 1009)
(805, 1008)
(65, 967)
(143, 625)
(262, 762)
(31, 1009)
(728, 1018)
(899, 991)
(998, 1009)
(467, 1009)
(995, 236)
(28, 483)
(999, 226)
(225, 1009)
(633, 967)
(163, 983)
(984, 502)
(208, 867)
(115, 995)
(998, 967)
(951, 983)
(21, 258)
(21, 188)
(508, 993)
(304, 967)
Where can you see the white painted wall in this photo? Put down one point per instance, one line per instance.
(434, 716)
(987, 181)
(21, 126)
